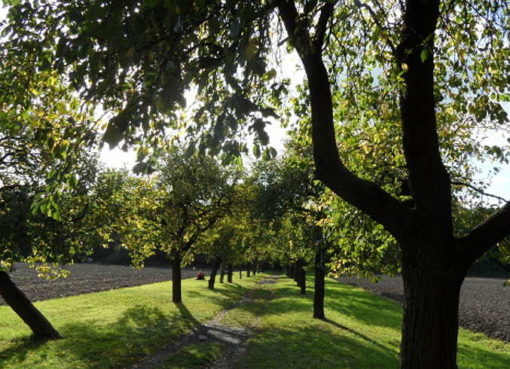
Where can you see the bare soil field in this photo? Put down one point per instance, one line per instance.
(86, 278)
(484, 302)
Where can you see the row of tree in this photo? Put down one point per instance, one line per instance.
(395, 95)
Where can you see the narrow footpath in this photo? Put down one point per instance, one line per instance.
(232, 340)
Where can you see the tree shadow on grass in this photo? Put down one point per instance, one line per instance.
(475, 357)
(356, 333)
(223, 297)
(363, 306)
(315, 347)
(352, 302)
(139, 331)
(20, 351)
(186, 314)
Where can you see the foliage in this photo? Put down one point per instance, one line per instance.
(43, 133)
(171, 210)
(138, 59)
(288, 200)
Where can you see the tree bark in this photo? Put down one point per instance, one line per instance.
(240, 273)
(17, 300)
(295, 273)
(230, 273)
(430, 325)
(248, 272)
(301, 277)
(222, 273)
(319, 290)
(214, 271)
(302, 283)
(176, 279)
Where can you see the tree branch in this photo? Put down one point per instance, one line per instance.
(486, 235)
(324, 17)
(480, 191)
(363, 194)
(376, 20)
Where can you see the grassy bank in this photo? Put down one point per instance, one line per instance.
(111, 329)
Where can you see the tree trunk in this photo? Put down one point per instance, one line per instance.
(248, 271)
(17, 300)
(176, 280)
(302, 282)
(214, 271)
(230, 272)
(222, 273)
(240, 273)
(289, 271)
(430, 324)
(318, 295)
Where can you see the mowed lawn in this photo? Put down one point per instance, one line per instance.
(116, 328)
(362, 332)
(112, 329)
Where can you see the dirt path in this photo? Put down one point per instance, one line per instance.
(233, 339)
(210, 331)
(235, 352)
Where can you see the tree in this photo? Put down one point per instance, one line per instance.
(435, 57)
(226, 242)
(288, 194)
(42, 134)
(171, 212)
(223, 246)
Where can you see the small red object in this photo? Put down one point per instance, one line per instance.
(200, 276)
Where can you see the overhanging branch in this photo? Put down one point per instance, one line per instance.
(486, 234)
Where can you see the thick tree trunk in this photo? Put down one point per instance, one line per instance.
(214, 271)
(17, 300)
(248, 271)
(176, 280)
(430, 325)
(318, 295)
(230, 273)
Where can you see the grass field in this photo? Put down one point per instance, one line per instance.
(362, 331)
(113, 329)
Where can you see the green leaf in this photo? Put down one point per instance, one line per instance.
(424, 54)
(256, 151)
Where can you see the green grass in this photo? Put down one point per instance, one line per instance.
(116, 328)
(363, 331)
(112, 329)
(194, 356)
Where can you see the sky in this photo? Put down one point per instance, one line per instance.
(499, 185)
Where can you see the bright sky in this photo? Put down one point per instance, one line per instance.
(500, 184)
